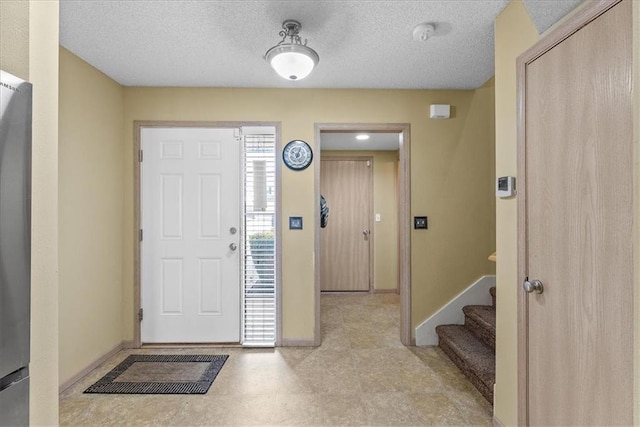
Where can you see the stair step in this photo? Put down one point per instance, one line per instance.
(481, 320)
(492, 291)
(474, 358)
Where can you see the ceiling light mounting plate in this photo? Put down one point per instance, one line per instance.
(423, 32)
(291, 28)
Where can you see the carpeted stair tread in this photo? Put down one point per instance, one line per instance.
(474, 358)
(492, 291)
(481, 320)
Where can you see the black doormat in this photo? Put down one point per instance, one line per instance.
(161, 374)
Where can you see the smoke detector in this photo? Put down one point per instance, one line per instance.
(422, 32)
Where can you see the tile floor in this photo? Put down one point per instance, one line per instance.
(361, 375)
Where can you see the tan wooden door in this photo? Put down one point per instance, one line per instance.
(345, 256)
(576, 228)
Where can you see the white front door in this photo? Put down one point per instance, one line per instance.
(190, 215)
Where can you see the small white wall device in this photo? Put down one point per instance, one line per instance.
(506, 186)
(439, 111)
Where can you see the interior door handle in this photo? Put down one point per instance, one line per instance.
(533, 285)
(366, 232)
(233, 246)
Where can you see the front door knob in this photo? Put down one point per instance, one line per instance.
(233, 246)
(531, 286)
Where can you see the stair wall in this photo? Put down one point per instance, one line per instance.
(476, 294)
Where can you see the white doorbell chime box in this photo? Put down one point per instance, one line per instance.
(506, 186)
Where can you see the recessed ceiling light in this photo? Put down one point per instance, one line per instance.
(362, 137)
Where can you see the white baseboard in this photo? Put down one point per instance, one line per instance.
(451, 313)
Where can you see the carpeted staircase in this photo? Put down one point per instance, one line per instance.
(472, 346)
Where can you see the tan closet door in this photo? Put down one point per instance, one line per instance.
(346, 254)
(577, 168)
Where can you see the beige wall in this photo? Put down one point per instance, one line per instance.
(385, 232)
(43, 73)
(91, 176)
(29, 49)
(14, 38)
(456, 191)
(514, 33)
(451, 179)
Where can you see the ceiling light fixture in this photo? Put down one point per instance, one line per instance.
(362, 137)
(291, 58)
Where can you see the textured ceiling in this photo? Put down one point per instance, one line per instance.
(544, 16)
(362, 44)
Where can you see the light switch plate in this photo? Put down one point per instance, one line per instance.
(295, 223)
(378, 218)
(420, 223)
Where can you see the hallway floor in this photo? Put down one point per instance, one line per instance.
(361, 375)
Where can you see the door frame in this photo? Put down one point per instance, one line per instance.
(404, 222)
(138, 125)
(370, 212)
(585, 14)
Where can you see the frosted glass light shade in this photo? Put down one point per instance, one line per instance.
(292, 62)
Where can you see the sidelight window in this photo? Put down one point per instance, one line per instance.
(259, 215)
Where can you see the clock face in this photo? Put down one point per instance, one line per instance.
(297, 155)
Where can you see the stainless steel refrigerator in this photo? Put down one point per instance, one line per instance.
(15, 248)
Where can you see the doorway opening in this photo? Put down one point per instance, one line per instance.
(345, 160)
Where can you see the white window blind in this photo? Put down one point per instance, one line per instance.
(259, 237)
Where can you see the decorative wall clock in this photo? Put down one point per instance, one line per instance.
(297, 155)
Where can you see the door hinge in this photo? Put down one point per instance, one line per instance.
(140, 156)
(140, 234)
(140, 315)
